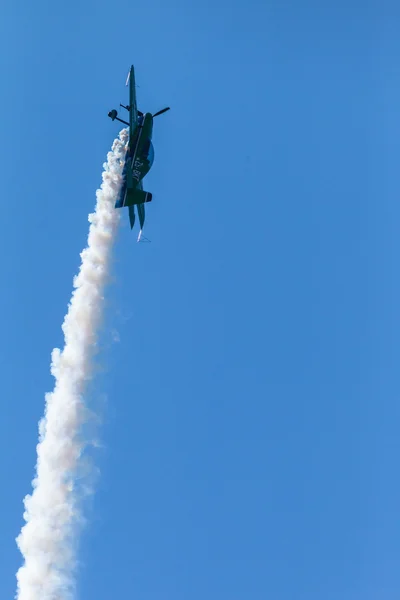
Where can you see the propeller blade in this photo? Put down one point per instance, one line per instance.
(160, 112)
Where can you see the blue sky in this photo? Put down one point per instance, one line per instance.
(250, 408)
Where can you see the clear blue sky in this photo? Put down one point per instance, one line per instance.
(251, 407)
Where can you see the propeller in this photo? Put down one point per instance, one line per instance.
(160, 112)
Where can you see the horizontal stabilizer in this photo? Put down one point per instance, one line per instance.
(136, 196)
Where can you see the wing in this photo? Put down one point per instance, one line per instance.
(133, 114)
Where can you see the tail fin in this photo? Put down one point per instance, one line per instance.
(132, 216)
(141, 214)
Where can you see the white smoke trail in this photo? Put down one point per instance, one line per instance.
(52, 513)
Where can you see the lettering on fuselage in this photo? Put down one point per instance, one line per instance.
(137, 165)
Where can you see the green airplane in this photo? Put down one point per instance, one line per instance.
(139, 156)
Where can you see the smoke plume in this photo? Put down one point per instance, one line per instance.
(53, 513)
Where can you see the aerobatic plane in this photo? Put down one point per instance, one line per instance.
(139, 156)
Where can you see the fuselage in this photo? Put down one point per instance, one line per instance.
(138, 162)
(141, 151)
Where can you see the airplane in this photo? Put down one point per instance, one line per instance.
(139, 156)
